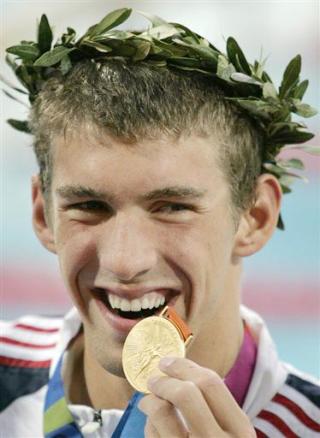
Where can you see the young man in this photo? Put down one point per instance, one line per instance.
(152, 189)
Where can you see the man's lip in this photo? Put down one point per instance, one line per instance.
(121, 325)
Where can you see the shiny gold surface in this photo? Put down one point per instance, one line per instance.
(149, 340)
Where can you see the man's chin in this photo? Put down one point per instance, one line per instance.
(111, 361)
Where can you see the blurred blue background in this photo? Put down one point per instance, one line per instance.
(283, 281)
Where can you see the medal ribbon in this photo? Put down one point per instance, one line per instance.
(59, 422)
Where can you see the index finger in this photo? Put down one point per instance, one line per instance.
(224, 407)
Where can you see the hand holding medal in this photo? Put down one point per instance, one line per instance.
(182, 398)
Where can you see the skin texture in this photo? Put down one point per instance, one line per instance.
(124, 238)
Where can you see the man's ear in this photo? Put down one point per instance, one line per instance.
(259, 221)
(41, 226)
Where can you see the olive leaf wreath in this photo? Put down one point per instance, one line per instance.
(172, 45)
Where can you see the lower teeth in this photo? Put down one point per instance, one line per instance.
(143, 313)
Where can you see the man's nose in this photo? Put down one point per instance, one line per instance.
(126, 249)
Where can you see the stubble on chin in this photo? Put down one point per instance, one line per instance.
(105, 354)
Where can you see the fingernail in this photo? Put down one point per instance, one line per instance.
(166, 362)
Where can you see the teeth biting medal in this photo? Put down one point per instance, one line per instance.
(150, 340)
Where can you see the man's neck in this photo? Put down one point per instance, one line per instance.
(73, 373)
(219, 338)
(87, 383)
(107, 391)
(218, 344)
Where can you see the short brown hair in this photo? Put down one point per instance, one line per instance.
(135, 101)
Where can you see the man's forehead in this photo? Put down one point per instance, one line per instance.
(148, 170)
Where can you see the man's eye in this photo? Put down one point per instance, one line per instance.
(91, 206)
(173, 208)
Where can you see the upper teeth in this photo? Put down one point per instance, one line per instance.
(148, 301)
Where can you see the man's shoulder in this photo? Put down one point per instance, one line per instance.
(294, 410)
(27, 346)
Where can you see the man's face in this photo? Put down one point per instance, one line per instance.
(139, 222)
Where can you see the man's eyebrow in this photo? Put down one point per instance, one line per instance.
(78, 191)
(81, 192)
(174, 192)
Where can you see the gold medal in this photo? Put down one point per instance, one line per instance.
(149, 341)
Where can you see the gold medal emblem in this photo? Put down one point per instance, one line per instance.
(149, 341)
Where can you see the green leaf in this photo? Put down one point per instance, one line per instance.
(168, 50)
(27, 42)
(237, 57)
(126, 49)
(292, 137)
(301, 89)
(282, 113)
(290, 77)
(25, 78)
(265, 77)
(65, 65)
(11, 62)
(53, 57)
(192, 36)
(284, 127)
(282, 172)
(241, 77)
(187, 62)
(310, 149)
(314, 150)
(193, 69)
(26, 52)
(110, 21)
(287, 180)
(158, 63)
(205, 53)
(224, 69)
(10, 85)
(11, 96)
(257, 69)
(154, 19)
(97, 46)
(190, 40)
(256, 107)
(303, 109)
(274, 168)
(143, 48)
(285, 189)
(68, 37)
(44, 35)
(19, 125)
(162, 32)
(292, 163)
(280, 223)
(204, 42)
(113, 34)
(269, 91)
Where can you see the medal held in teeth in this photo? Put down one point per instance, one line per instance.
(149, 341)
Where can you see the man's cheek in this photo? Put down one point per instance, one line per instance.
(76, 252)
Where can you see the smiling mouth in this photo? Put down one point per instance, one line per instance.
(149, 305)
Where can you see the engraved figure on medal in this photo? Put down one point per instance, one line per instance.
(149, 341)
